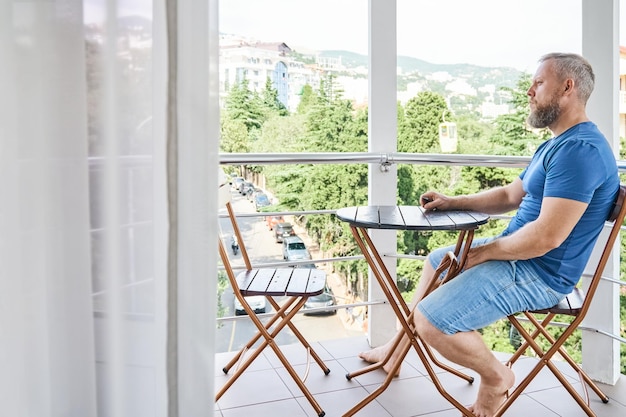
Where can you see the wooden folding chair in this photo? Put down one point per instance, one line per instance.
(576, 305)
(297, 284)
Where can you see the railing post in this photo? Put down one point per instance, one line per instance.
(600, 29)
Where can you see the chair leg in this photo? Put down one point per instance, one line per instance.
(294, 375)
(545, 360)
(269, 324)
(541, 327)
(525, 345)
(585, 380)
(263, 330)
(256, 337)
(269, 340)
(303, 340)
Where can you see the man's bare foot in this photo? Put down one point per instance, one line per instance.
(378, 355)
(491, 396)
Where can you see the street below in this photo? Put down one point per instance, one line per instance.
(232, 334)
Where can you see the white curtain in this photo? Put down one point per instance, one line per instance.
(101, 284)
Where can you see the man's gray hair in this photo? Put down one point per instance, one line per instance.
(576, 67)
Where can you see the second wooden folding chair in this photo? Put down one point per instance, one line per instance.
(575, 305)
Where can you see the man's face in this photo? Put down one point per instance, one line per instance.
(544, 115)
(544, 97)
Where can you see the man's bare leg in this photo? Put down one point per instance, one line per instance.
(379, 353)
(469, 350)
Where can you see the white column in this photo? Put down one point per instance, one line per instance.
(198, 137)
(600, 45)
(383, 139)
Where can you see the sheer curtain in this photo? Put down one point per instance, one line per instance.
(106, 291)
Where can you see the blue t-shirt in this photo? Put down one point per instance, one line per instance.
(578, 165)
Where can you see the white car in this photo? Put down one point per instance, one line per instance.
(294, 249)
(257, 302)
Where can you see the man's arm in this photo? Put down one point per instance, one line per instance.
(497, 200)
(557, 219)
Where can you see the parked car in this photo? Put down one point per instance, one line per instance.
(236, 182)
(246, 187)
(261, 200)
(272, 221)
(282, 230)
(257, 302)
(294, 249)
(325, 299)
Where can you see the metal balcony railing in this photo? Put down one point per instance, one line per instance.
(384, 160)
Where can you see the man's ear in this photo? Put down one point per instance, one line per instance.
(569, 84)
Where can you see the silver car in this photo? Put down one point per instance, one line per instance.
(294, 249)
(325, 300)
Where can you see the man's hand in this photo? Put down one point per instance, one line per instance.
(435, 201)
(479, 254)
(497, 200)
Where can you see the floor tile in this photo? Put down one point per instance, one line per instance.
(316, 381)
(296, 354)
(561, 402)
(222, 359)
(338, 348)
(266, 388)
(286, 408)
(376, 376)
(411, 396)
(253, 388)
(337, 403)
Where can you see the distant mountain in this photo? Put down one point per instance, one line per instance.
(479, 75)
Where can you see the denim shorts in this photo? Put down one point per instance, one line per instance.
(485, 293)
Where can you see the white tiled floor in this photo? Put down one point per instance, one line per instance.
(266, 389)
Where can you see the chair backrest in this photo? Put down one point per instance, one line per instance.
(617, 218)
(242, 247)
(577, 303)
(237, 231)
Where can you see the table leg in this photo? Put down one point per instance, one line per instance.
(405, 317)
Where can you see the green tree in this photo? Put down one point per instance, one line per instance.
(474, 135)
(234, 136)
(245, 105)
(328, 117)
(307, 97)
(273, 106)
(243, 109)
(281, 134)
(418, 126)
(513, 136)
(419, 131)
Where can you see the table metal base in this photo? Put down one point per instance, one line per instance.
(405, 317)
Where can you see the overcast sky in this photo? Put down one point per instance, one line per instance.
(483, 32)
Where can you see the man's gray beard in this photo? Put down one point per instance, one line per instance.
(545, 116)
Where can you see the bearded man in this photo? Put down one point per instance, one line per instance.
(562, 198)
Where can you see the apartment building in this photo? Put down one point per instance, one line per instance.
(258, 61)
